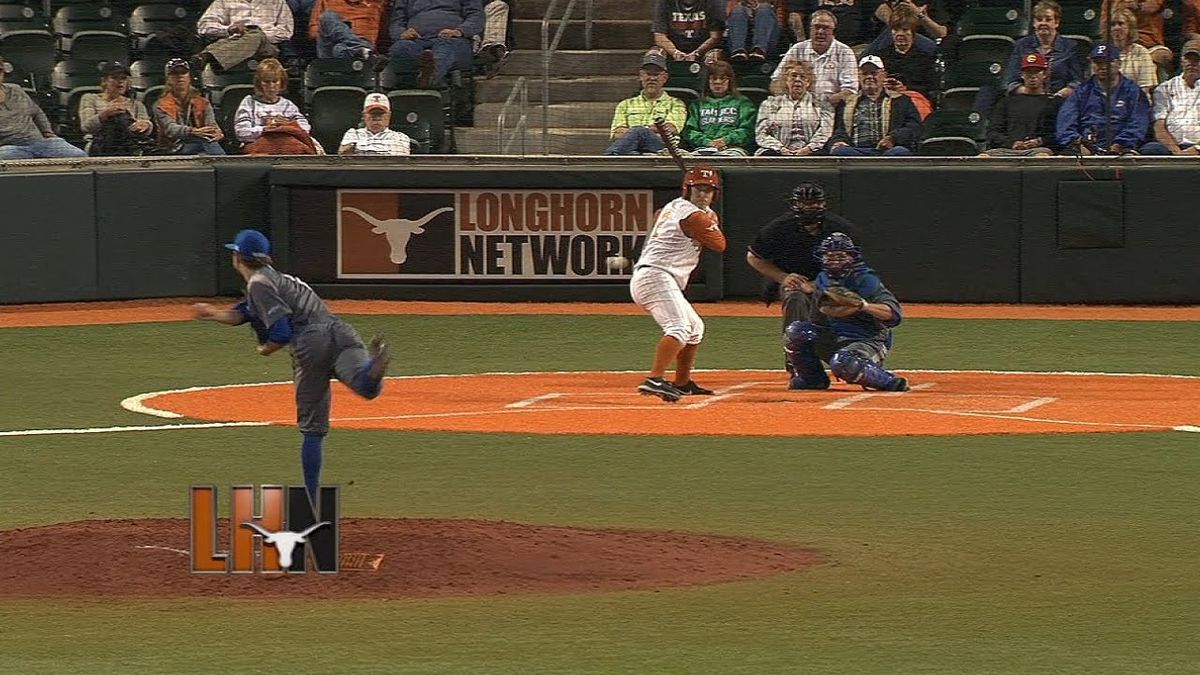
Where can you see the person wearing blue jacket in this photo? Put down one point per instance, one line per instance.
(1109, 113)
(437, 34)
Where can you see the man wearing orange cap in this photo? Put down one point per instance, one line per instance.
(1022, 123)
(374, 137)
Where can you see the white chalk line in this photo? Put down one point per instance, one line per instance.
(530, 401)
(1035, 403)
(850, 400)
(137, 403)
(165, 548)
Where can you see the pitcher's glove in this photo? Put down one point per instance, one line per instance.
(838, 302)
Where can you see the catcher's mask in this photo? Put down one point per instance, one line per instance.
(838, 254)
(808, 203)
(701, 174)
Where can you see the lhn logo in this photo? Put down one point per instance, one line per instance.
(283, 535)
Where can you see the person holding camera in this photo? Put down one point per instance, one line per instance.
(118, 124)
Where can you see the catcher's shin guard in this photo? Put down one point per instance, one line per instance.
(806, 369)
(855, 369)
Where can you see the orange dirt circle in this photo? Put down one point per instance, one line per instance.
(748, 403)
(414, 558)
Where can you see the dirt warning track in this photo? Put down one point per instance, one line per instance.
(747, 403)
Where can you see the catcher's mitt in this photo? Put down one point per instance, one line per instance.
(838, 302)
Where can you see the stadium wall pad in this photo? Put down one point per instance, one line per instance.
(937, 230)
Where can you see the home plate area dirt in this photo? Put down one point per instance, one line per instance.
(385, 558)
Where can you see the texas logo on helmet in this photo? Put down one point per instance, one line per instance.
(701, 174)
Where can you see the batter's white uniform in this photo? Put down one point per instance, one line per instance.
(662, 272)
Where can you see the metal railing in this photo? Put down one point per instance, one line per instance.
(519, 97)
(549, 47)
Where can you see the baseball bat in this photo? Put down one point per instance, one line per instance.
(671, 141)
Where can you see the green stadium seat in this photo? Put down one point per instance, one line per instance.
(953, 133)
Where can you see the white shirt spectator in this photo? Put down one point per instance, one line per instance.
(833, 71)
(248, 121)
(1179, 105)
(273, 18)
(386, 142)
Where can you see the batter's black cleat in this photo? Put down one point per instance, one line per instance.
(692, 389)
(380, 355)
(656, 386)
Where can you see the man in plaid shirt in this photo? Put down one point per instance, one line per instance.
(835, 76)
(1177, 109)
(631, 131)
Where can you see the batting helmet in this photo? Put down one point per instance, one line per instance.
(806, 192)
(839, 242)
(701, 174)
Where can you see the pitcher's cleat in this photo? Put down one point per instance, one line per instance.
(656, 386)
(692, 389)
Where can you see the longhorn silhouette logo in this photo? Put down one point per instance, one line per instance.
(284, 541)
(399, 231)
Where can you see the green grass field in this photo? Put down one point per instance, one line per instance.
(999, 554)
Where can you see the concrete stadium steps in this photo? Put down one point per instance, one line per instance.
(606, 34)
(610, 88)
(606, 9)
(576, 63)
(586, 114)
(562, 140)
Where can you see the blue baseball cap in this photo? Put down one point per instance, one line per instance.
(1105, 52)
(251, 244)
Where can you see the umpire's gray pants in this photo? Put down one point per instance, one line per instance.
(319, 352)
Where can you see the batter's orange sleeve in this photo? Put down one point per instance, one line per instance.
(702, 227)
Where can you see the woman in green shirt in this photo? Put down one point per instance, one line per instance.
(721, 121)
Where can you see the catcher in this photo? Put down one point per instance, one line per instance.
(862, 313)
(285, 312)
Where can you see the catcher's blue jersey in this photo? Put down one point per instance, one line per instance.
(863, 326)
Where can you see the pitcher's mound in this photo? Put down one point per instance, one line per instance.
(385, 558)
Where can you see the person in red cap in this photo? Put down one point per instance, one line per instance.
(1022, 123)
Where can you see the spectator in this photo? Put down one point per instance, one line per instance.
(832, 62)
(877, 121)
(1150, 26)
(374, 137)
(721, 121)
(931, 19)
(1136, 63)
(631, 132)
(268, 123)
(242, 30)
(913, 69)
(1066, 72)
(184, 118)
(792, 122)
(437, 35)
(347, 29)
(25, 132)
(1177, 108)
(686, 29)
(491, 49)
(1108, 113)
(118, 125)
(794, 15)
(753, 30)
(1022, 125)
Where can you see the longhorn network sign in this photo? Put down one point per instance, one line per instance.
(285, 534)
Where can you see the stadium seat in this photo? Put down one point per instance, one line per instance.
(92, 32)
(71, 79)
(147, 80)
(964, 79)
(756, 94)
(954, 133)
(234, 83)
(683, 80)
(1004, 21)
(30, 48)
(337, 75)
(417, 131)
(334, 111)
(422, 109)
(1081, 21)
(146, 20)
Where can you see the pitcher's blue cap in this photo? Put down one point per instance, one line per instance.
(251, 244)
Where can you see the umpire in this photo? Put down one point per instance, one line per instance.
(784, 252)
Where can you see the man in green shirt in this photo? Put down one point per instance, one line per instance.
(631, 131)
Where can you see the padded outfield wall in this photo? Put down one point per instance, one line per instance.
(511, 228)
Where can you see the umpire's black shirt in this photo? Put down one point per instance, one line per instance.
(786, 243)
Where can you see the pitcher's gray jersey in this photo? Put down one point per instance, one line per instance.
(274, 295)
